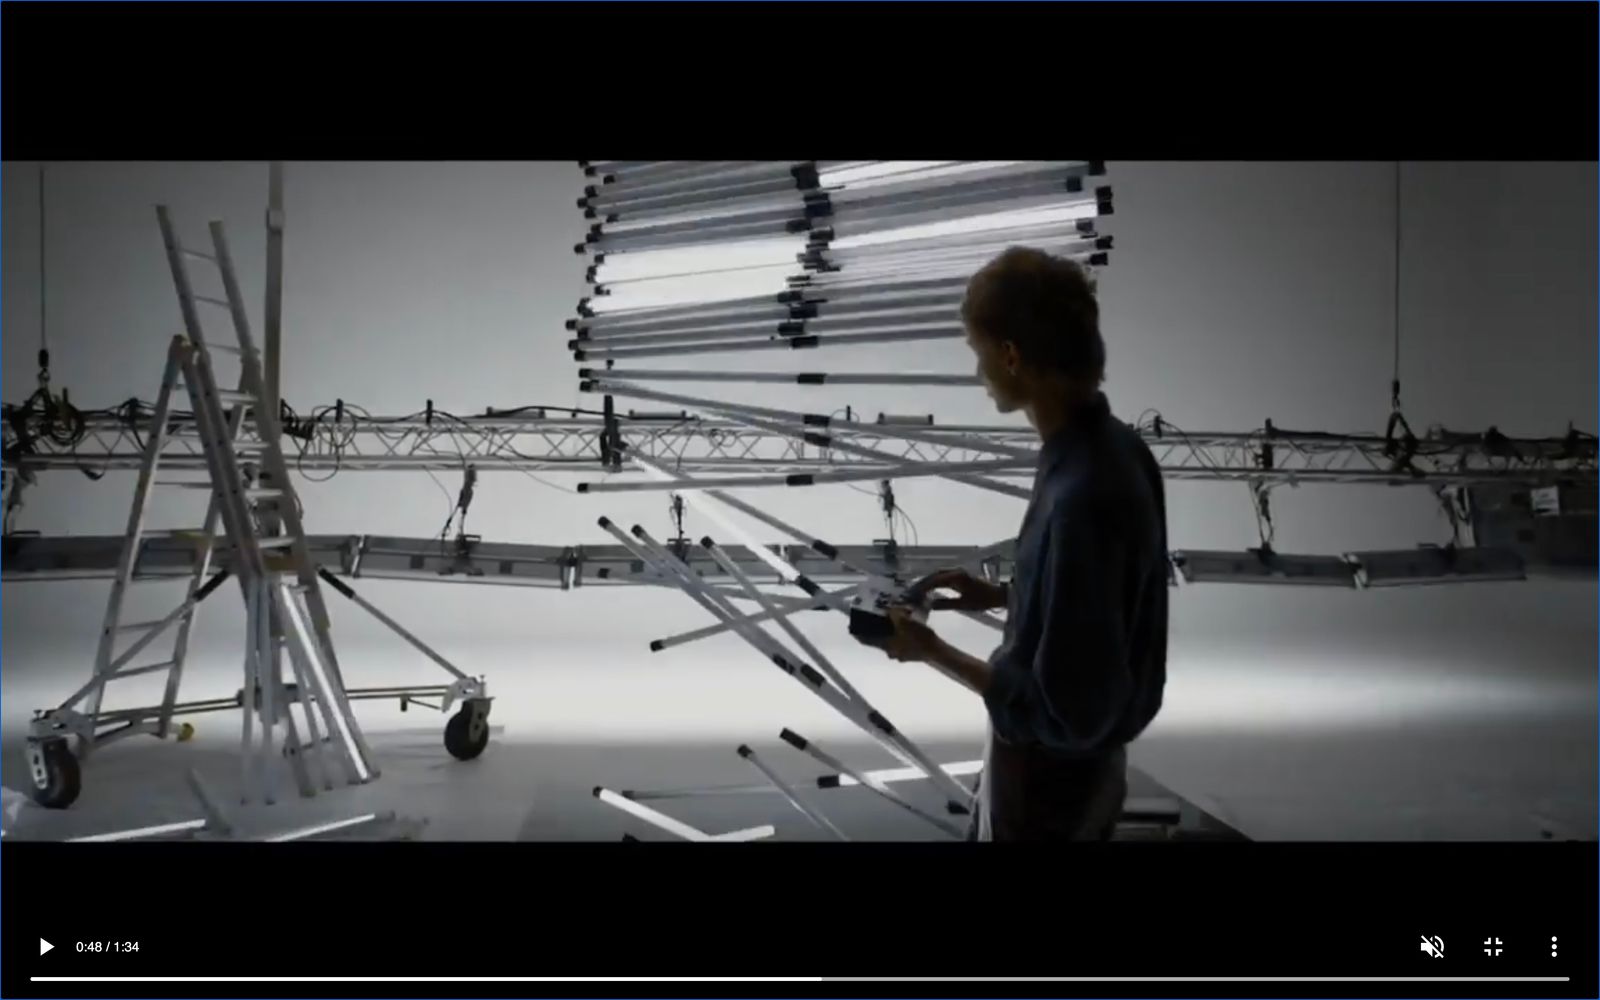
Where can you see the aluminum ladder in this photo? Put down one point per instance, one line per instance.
(253, 503)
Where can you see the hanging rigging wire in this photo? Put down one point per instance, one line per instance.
(44, 415)
(1403, 449)
(1394, 385)
(44, 342)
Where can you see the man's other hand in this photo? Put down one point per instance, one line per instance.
(973, 593)
(912, 641)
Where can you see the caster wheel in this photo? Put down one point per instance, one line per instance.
(63, 780)
(185, 733)
(464, 740)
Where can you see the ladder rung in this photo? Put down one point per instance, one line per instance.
(234, 396)
(148, 668)
(184, 534)
(198, 254)
(208, 300)
(185, 484)
(230, 348)
(278, 542)
(139, 626)
(265, 494)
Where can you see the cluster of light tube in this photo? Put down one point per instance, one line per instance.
(723, 258)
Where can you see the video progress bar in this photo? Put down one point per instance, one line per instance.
(800, 979)
(1199, 979)
(425, 979)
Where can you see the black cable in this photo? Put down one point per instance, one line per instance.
(1265, 529)
(916, 537)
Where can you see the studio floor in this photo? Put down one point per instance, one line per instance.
(1333, 746)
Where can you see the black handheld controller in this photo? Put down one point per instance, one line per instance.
(869, 613)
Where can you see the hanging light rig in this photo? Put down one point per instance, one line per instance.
(723, 258)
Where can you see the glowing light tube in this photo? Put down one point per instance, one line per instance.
(781, 618)
(804, 745)
(782, 787)
(659, 820)
(140, 833)
(606, 383)
(322, 828)
(981, 482)
(942, 319)
(895, 774)
(807, 342)
(910, 470)
(796, 378)
(744, 836)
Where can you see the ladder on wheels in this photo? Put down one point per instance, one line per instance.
(253, 504)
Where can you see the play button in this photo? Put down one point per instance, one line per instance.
(44, 946)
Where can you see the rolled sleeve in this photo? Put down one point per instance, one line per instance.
(1065, 689)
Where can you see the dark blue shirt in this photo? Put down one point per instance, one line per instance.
(1082, 663)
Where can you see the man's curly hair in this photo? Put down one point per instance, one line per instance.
(1043, 304)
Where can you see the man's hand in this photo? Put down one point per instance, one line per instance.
(912, 641)
(973, 593)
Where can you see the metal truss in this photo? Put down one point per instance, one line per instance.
(538, 441)
(470, 560)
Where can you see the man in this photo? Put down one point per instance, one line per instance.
(1081, 666)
